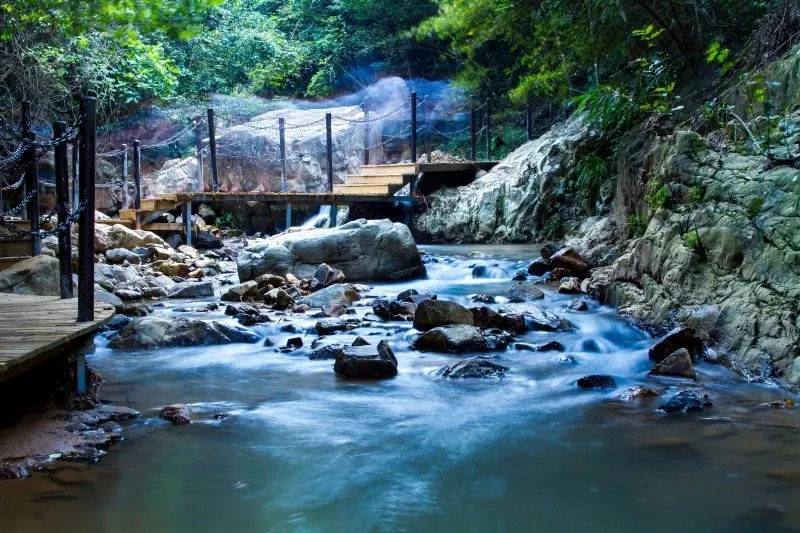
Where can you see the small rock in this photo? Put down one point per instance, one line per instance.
(578, 305)
(434, 313)
(325, 276)
(484, 298)
(406, 295)
(278, 298)
(786, 403)
(480, 271)
(686, 401)
(568, 259)
(187, 289)
(295, 343)
(525, 291)
(360, 341)
(330, 351)
(458, 338)
(679, 364)
(674, 340)
(179, 414)
(366, 362)
(597, 382)
(569, 286)
(637, 392)
(237, 293)
(519, 275)
(540, 267)
(12, 471)
(117, 256)
(477, 367)
(548, 250)
(332, 325)
(189, 251)
(551, 346)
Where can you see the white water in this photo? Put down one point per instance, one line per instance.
(323, 214)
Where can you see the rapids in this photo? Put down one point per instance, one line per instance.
(304, 450)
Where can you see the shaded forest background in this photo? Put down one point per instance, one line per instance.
(619, 59)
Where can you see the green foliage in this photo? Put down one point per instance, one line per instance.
(657, 195)
(225, 220)
(716, 54)
(609, 109)
(592, 171)
(554, 227)
(696, 194)
(754, 207)
(691, 240)
(637, 225)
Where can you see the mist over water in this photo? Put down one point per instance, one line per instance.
(304, 450)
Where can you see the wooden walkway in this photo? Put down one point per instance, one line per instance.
(36, 328)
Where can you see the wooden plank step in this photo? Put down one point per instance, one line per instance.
(165, 226)
(398, 168)
(151, 204)
(15, 247)
(376, 179)
(8, 262)
(112, 221)
(361, 189)
(127, 214)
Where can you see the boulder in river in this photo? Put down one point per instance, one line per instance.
(637, 392)
(188, 289)
(674, 340)
(476, 367)
(484, 317)
(524, 291)
(332, 325)
(376, 250)
(179, 414)
(570, 285)
(686, 401)
(331, 351)
(434, 313)
(239, 293)
(569, 260)
(366, 362)
(536, 318)
(325, 276)
(161, 332)
(679, 364)
(550, 346)
(117, 256)
(597, 382)
(343, 294)
(460, 338)
(540, 267)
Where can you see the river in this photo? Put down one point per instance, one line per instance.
(304, 450)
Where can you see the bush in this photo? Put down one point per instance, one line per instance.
(754, 208)
(657, 195)
(637, 225)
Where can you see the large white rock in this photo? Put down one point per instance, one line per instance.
(375, 250)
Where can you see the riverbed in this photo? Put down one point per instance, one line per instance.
(280, 443)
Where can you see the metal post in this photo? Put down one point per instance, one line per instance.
(472, 130)
(427, 112)
(488, 130)
(212, 147)
(528, 122)
(198, 146)
(26, 132)
(288, 215)
(62, 207)
(31, 183)
(329, 160)
(187, 222)
(414, 127)
(125, 198)
(137, 175)
(366, 132)
(75, 186)
(282, 139)
(86, 220)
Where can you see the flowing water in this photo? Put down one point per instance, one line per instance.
(303, 450)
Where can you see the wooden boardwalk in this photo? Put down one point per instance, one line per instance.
(36, 328)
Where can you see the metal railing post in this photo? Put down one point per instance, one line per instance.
(282, 143)
(62, 208)
(212, 147)
(86, 221)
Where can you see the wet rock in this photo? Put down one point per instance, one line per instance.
(406, 295)
(330, 351)
(568, 259)
(278, 298)
(578, 305)
(417, 299)
(483, 298)
(113, 430)
(118, 236)
(118, 322)
(188, 289)
(540, 267)
(480, 271)
(525, 291)
(332, 325)
(343, 294)
(403, 310)
(206, 213)
(109, 298)
(434, 313)
(377, 250)
(549, 250)
(519, 275)
(269, 281)
(458, 338)
(679, 364)
(597, 382)
(253, 319)
(484, 317)
(476, 367)
(205, 240)
(686, 401)
(237, 293)
(325, 276)
(12, 471)
(536, 318)
(160, 332)
(138, 310)
(381, 308)
(179, 414)
(560, 273)
(295, 343)
(786, 403)
(674, 340)
(117, 256)
(590, 345)
(126, 294)
(550, 346)
(366, 362)
(360, 341)
(637, 392)
(174, 269)
(569, 286)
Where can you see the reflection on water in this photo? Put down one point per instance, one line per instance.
(302, 450)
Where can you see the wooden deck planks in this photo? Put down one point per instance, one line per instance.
(32, 328)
